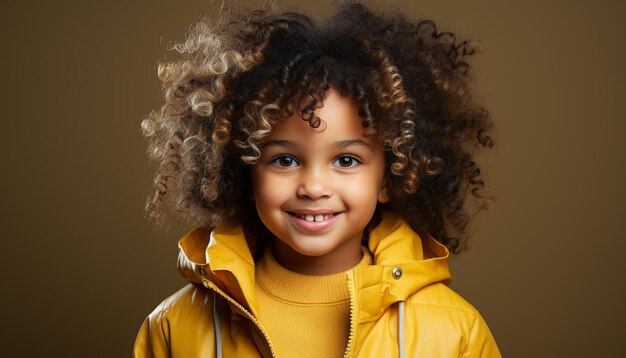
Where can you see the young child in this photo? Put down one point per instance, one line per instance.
(326, 169)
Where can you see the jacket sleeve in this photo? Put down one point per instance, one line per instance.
(153, 338)
(481, 343)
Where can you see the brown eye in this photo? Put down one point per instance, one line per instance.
(284, 161)
(346, 161)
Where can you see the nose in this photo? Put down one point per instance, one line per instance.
(314, 184)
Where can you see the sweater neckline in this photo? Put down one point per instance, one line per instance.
(294, 287)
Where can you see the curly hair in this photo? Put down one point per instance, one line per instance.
(240, 76)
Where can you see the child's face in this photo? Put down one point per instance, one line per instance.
(334, 178)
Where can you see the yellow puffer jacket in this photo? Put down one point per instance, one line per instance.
(400, 306)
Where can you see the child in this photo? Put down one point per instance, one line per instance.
(326, 169)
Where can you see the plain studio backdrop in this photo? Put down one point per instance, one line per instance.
(81, 267)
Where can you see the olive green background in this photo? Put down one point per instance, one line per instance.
(81, 267)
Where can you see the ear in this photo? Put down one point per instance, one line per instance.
(383, 195)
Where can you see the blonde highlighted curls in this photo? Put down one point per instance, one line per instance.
(241, 76)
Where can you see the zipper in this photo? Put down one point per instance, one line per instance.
(352, 294)
(211, 285)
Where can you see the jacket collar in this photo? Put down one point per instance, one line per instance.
(223, 256)
(404, 262)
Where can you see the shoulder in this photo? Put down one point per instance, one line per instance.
(190, 306)
(437, 308)
(192, 298)
(182, 320)
(440, 296)
(438, 304)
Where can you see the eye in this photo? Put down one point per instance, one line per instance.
(346, 161)
(285, 161)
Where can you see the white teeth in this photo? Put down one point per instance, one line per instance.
(316, 218)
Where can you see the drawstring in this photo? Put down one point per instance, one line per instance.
(401, 328)
(216, 327)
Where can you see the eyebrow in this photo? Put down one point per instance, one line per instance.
(292, 145)
(280, 143)
(350, 142)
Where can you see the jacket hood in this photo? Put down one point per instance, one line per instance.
(404, 262)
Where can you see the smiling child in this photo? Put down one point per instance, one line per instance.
(325, 169)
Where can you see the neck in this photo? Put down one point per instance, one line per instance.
(338, 260)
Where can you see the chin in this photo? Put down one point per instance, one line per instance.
(312, 250)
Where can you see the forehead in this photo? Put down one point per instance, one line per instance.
(340, 121)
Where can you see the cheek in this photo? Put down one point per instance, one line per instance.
(269, 192)
(364, 191)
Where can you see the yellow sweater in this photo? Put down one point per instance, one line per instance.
(305, 316)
